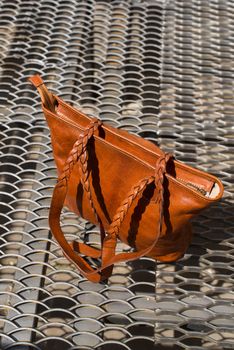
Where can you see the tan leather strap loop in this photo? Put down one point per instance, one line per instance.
(47, 98)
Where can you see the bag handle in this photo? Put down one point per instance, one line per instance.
(107, 253)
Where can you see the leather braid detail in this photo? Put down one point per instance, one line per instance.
(78, 149)
(134, 192)
(160, 170)
(84, 176)
(126, 204)
(79, 154)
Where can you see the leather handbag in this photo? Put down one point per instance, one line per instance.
(125, 184)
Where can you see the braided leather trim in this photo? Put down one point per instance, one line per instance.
(84, 176)
(77, 150)
(121, 212)
(126, 204)
(79, 153)
(160, 170)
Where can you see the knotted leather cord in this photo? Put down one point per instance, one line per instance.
(109, 244)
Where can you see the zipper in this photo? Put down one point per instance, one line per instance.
(194, 186)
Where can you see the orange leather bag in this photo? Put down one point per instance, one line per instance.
(124, 184)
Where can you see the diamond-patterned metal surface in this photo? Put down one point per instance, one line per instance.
(163, 70)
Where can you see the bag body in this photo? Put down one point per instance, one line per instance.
(125, 184)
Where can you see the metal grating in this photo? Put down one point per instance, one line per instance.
(195, 297)
(163, 70)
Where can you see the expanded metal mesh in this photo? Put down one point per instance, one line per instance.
(163, 70)
(195, 297)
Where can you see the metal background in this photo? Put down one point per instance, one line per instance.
(163, 70)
